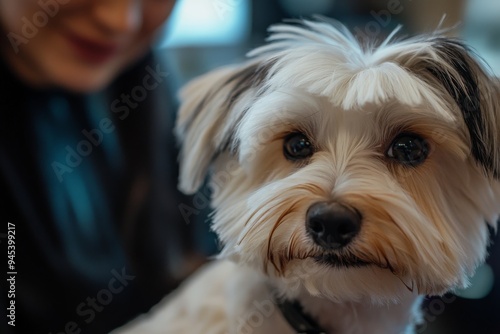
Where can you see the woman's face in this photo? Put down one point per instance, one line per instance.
(80, 45)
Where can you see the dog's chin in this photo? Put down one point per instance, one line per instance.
(341, 261)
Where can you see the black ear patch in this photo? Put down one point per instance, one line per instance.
(459, 75)
(241, 81)
(237, 79)
(249, 77)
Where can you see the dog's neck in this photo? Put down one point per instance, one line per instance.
(255, 308)
(362, 316)
(297, 318)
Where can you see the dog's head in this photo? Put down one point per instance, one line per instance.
(345, 169)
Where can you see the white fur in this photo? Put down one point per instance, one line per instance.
(424, 228)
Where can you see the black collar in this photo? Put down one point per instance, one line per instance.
(300, 321)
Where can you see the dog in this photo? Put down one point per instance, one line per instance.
(349, 179)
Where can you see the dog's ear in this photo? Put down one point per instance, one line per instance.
(211, 107)
(476, 93)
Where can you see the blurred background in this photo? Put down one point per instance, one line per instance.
(204, 34)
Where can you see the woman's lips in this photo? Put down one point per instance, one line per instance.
(92, 51)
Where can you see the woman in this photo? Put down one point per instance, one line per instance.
(87, 171)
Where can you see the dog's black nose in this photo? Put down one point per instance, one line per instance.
(332, 225)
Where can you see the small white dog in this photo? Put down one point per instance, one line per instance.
(348, 180)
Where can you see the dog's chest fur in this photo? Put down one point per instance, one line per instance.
(225, 298)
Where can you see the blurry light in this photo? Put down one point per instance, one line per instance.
(482, 30)
(481, 284)
(301, 7)
(208, 22)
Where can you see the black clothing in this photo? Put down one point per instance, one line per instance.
(89, 181)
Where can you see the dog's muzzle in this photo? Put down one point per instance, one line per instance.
(332, 225)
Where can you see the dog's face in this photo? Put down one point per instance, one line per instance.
(350, 172)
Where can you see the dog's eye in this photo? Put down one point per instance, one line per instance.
(409, 149)
(297, 147)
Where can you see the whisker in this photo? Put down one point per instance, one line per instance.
(278, 223)
(291, 243)
(406, 285)
(254, 226)
(260, 218)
